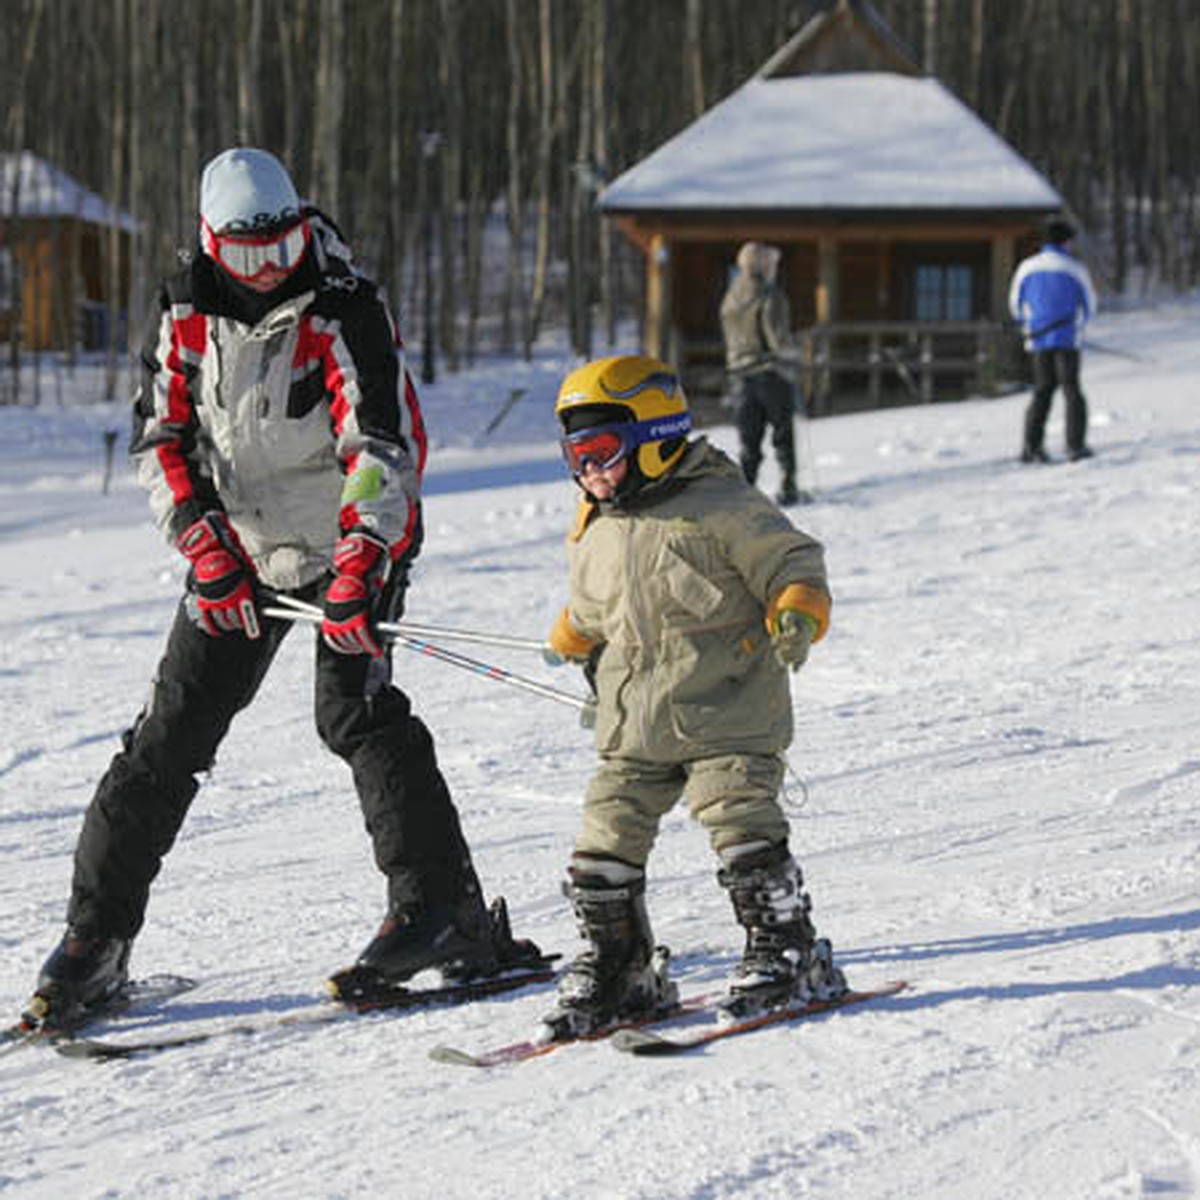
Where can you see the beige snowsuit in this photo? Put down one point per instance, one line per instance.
(676, 589)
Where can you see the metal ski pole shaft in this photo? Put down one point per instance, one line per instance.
(419, 646)
(300, 609)
(407, 628)
(492, 672)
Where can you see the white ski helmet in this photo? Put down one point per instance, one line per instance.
(244, 190)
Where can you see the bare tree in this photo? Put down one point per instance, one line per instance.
(330, 102)
(16, 139)
(118, 137)
(544, 164)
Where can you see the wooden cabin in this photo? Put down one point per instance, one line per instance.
(899, 213)
(55, 238)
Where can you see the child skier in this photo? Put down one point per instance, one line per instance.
(690, 596)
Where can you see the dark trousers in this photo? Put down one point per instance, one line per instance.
(201, 683)
(1053, 369)
(766, 398)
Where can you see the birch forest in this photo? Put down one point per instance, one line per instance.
(460, 143)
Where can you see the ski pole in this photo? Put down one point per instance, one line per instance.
(311, 615)
(419, 630)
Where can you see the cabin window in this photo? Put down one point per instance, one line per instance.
(944, 292)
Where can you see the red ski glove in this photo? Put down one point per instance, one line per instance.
(361, 563)
(221, 583)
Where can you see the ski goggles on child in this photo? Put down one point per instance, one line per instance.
(246, 256)
(603, 446)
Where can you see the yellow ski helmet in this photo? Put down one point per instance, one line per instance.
(630, 388)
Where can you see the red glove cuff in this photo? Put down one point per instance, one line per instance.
(362, 555)
(211, 532)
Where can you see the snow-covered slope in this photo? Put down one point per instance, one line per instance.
(995, 795)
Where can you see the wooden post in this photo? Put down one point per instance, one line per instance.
(1003, 263)
(874, 359)
(658, 297)
(807, 377)
(824, 342)
(110, 444)
(827, 280)
(827, 301)
(927, 368)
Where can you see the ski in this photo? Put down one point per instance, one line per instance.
(365, 999)
(37, 1023)
(516, 1052)
(649, 1043)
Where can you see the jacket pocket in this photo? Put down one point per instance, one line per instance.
(687, 586)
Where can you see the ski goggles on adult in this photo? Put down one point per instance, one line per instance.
(245, 256)
(603, 446)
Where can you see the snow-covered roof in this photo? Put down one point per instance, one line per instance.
(45, 191)
(856, 141)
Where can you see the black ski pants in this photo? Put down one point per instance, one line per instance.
(766, 398)
(1053, 369)
(202, 682)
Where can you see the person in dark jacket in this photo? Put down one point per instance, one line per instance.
(280, 438)
(755, 325)
(1052, 297)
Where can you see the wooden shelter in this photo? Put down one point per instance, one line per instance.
(899, 212)
(56, 240)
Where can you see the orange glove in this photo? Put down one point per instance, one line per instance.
(566, 645)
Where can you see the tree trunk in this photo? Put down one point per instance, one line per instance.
(450, 90)
(514, 311)
(693, 58)
(117, 145)
(598, 82)
(249, 19)
(395, 222)
(545, 145)
(16, 139)
(329, 104)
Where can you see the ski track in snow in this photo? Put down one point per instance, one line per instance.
(994, 796)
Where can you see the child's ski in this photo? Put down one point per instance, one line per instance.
(533, 1048)
(646, 1042)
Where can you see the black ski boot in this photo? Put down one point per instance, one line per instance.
(455, 938)
(621, 974)
(788, 493)
(83, 975)
(508, 953)
(783, 961)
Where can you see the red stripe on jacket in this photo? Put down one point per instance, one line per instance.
(187, 333)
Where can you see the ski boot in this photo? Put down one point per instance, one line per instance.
(82, 977)
(788, 494)
(453, 937)
(508, 953)
(621, 974)
(783, 962)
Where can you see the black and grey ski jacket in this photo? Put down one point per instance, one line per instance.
(294, 414)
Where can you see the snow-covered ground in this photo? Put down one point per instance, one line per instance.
(995, 792)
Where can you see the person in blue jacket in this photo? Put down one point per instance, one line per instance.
(1052, 297)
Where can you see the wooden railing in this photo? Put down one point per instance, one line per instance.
(852, 364)
(973, 355)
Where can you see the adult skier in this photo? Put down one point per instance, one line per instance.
(755, 325)
(1052, 296)
(280, 438)
(691, 595)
